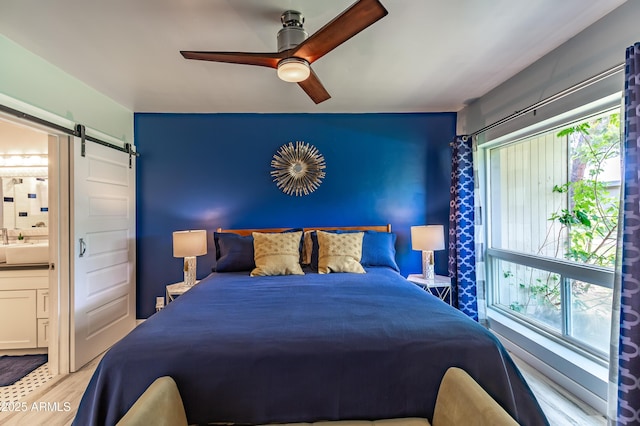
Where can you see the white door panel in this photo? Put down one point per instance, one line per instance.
(103, 236)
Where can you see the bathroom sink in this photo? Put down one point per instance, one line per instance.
(26, 253)
(3, 255)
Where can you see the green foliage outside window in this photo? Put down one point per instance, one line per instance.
(592, 219)
(588, 225)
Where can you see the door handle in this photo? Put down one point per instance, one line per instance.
(83, 247)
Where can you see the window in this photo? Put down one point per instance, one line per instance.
(553, 202)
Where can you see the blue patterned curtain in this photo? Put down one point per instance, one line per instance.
(629, 343)
(462, 258)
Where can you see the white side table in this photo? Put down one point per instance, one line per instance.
(440, 286)
(177, 289)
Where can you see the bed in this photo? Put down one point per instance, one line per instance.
(302, 348)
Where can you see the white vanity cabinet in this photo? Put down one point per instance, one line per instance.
(24, 308)
(42, 313)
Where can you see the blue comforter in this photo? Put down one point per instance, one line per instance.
(304, 348)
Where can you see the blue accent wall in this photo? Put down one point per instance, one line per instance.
(204, 171)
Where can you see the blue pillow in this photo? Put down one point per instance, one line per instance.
(234, 253)
(378, 249)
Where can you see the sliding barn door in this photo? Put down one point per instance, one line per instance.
(103, 237)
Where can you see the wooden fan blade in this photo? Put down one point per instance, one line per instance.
(261, 59)
(344, 26)
(314, 88)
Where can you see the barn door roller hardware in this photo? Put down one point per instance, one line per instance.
(81, 133)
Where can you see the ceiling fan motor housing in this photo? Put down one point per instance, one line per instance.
(292, 33)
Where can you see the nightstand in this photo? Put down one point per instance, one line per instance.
(440, 286)
(177, 289)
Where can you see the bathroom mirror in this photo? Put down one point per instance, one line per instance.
(25, 202)
(24, 172)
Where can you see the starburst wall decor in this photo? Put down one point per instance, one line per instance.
(298, 169)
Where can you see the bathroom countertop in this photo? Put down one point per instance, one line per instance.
(23, 266)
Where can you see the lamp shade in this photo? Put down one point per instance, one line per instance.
(427, 237)
(189, 243)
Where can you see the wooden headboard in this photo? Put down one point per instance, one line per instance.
(379, 228)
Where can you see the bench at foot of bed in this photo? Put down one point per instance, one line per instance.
(460, 401)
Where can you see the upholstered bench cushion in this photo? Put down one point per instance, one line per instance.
(159, 405)
(461, 401)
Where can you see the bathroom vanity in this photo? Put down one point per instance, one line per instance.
(24, 291)
(24, 306)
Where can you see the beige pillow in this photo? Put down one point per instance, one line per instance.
(340, 252)
(277, 254)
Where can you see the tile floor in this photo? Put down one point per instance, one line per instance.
(32, 381)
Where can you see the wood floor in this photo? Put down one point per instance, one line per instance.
(50, 408)
(53, 405)
(560, 407)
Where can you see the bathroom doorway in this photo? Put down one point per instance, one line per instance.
(24, 225)
(89, 223)
(28, 248)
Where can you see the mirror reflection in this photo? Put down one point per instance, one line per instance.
(24, 184)
(25, 202)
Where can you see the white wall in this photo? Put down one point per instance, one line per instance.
(596, 49)
(29, 79)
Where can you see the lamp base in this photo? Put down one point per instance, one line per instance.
(190, 271)
(428, 272)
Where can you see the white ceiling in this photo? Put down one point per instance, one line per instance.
(424, 56)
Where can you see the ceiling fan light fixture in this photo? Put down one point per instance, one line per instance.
(293, 70)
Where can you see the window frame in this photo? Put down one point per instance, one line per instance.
(567, 270)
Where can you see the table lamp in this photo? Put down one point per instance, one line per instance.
(427, 238)
(189, 244)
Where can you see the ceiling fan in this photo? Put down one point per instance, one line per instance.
(297, 51)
